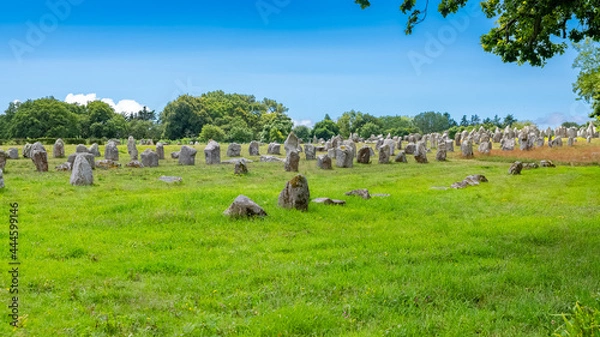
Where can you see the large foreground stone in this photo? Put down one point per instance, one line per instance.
(111, 152)
(253, 149)
(515, 168)
(292, 161)
(40, 159)
(234, 150)
(81, 174)
(88, 156)
(324, 162)
(295, 194)
(149, 158)
(242, 206)
(344, 157)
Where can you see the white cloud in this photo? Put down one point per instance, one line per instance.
(305, 122)
(16, 101)
(124, 106)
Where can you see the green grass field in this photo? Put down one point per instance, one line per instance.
(134, 256)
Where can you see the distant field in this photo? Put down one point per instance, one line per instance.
(134, 256)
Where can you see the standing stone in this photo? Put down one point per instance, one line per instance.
(384, 154)
(39, 156)
(111, 152)
(160, 150)
(13, 153)
(364, 155)
(570, 141)
(81, 149)
(212, 153)
(292, 143)
(95, 150)
(324, 162)
(421, 153)
(175, 155)
(242, 206)
(485, 147)
(410, 148)
(187, 155)
(441, 152)
(240, 167)
(58, 151)
(149, 158)
(309, 151)
(1, 179)
(253, 148)
(467, 148)
(274, 148)
(507, 144)
(82, 174)
(134, 164)
(449, 145)
(401, 157)
(392, 145)
(291, 161)
(547, 163)
(344, 157)
(88, 156)
(132, 149)
(26, 150)
(234, 150)
(515, 168)
(3, 157)
(295, 194)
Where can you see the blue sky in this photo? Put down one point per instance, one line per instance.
(315, 57)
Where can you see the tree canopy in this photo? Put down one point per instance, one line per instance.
(524, 31)
(587, 86)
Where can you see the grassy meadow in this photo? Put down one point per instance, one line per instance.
(135, 256)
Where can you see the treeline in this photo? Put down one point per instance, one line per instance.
(213, 115)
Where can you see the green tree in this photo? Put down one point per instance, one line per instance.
(326, 128)
(509, 120)
(302, 132)
(44, 117)
(464, 121)
(213, 132)
(525, 31)
(570, 124)
(369, 129)
(182, 118)
(430, 121)
(475, 120)
(276, 127)
(587, 86)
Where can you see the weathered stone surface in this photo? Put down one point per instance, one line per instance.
(324, 162)
(187, 155)
(328, 201)
(88, 156)
(384, 154)
(274, 148)
(364, 155)
(363, 193)
(310, 151)
(242, 206)
(401, 157)
(95, 150)
(271, 159)
(160, 150)
(13, 153)
(295, 194)
(556, 142)
(529, 166)
(485, 147)
(236, 160)
(111, 152)
(1, 179)
(344, 157)
(570, 141)
(467, 148)
(440, 155)
(292, 161)
(253, 149)
(421, 153)
(170, 179)
(234, 150)
(132, 149)
(81, 149)
(449, 145)
(539, 142)
(63, 167)
(240, 167)
(26, 150)
(149, 158)
(81, 174)
(40, 159)
(410, 148)
(58, 150)
(547, 163)
(134, 164)
(472, 180)
(292, 143)
(392, 147)
(515, 168)
(3, 157)
(175, 155)
(212, 153)
(107, 164)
